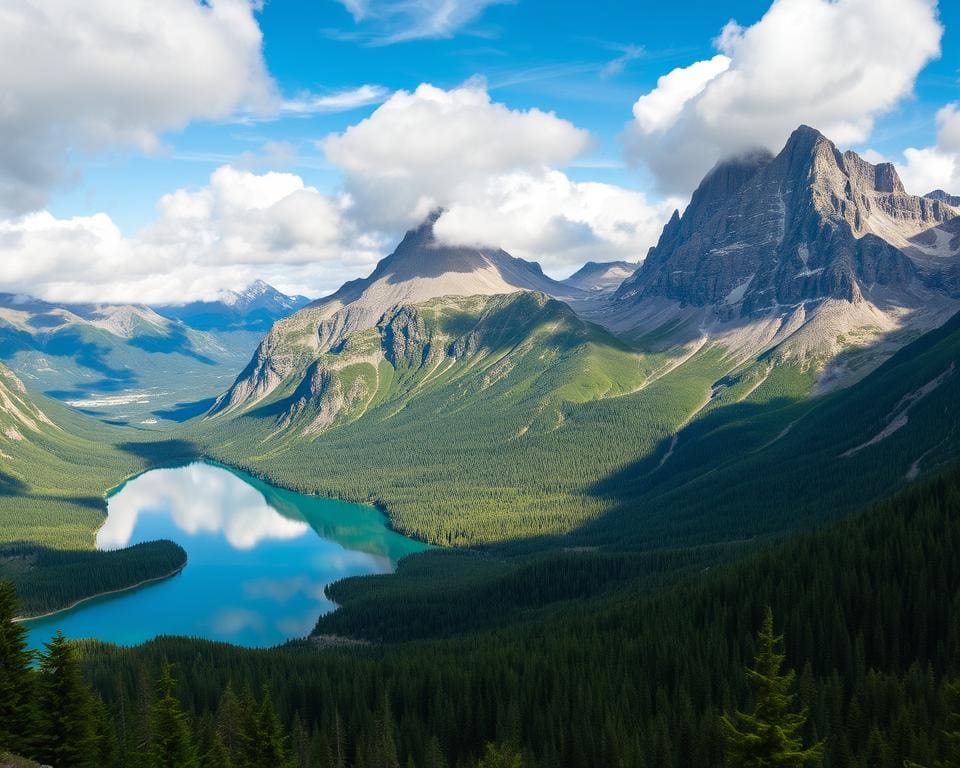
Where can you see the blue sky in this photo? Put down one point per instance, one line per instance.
(587, 63)
(533, 53)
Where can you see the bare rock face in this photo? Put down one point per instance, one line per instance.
(767, 232)
(944, 197)
(406, 342)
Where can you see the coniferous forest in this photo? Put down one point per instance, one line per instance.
(834, 648)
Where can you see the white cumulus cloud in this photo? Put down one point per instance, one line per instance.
(549, 218)
(936, 167)
(239, 227)
(497, 173)
(833, 64)
(84, 76)
(419, 149)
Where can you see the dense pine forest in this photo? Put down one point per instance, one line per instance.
(869, 607)
(49, 579)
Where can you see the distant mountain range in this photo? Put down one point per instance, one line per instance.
(255, 308)
(127, 361)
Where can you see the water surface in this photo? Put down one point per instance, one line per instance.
(258, 559)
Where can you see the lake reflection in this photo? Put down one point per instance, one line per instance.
(259, 559)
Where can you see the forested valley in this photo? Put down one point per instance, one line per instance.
(869, 607)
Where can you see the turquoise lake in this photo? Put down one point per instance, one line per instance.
(258, 559)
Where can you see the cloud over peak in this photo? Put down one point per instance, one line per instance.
(834, 64)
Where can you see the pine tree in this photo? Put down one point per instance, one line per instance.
(770, 735)
(171, 740)
(66, 705)
(18, 715)
(500, 756)
(231, 721)
(384, 747)
(270, 746)
(217, 756)
(951, 736)
(108, 748)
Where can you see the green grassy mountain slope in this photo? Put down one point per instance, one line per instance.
(485, 419)
(755, 467)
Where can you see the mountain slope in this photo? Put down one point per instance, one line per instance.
(55, 467)
(812, 253)
(760, 466)
(946, 197)
(469, 418)
(601, 276)
(420, 268)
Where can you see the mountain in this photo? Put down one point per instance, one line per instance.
(420, 268)
(123, 361)
(601, 276)
(19, 415)
(55, 466)
(255, 308)
(945, 197)
(812, 255)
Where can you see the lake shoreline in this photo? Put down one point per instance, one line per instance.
(82, 600)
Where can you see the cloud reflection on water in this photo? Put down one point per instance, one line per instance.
(199, 498)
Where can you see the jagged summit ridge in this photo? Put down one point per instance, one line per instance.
(811, 223)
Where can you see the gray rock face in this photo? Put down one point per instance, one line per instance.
(767, 232)
(944, 197)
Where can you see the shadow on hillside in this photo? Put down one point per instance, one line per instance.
(14, 487)
(71, 344)
(185, 411)
(11, 486)
(168, 451)
(175, 342)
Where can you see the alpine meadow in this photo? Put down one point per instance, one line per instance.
(479, 384)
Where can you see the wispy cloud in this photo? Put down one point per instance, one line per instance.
(309, 104)
(397, 21)
(536, 74)
(628, 53)
(341, 101)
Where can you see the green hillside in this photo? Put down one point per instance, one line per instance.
(471, 420)
(541, 423)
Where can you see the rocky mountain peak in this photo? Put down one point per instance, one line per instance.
(600, 276)
(944, 197)
(420, 268)
(765, 233)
